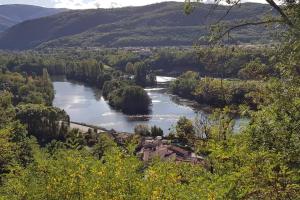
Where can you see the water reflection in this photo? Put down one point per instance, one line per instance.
(85, 104)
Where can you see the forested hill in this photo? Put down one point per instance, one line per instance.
(163, 24)
(15, 13)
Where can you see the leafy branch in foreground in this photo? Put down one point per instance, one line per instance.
(218, 33)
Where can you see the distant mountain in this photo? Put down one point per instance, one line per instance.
(16, 13)
(163, 24)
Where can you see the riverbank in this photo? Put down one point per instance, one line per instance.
(86, 105)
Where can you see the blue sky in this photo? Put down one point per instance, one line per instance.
(83, 4)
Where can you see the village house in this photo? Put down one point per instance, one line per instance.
(163, 149)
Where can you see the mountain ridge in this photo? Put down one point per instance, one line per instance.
(12, 14)
(162, 24)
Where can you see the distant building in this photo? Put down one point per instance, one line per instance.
(163, 149)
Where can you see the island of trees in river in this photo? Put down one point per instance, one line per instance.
(43, 157)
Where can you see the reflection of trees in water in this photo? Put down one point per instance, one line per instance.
(58, 78)
(188, 103)
(61, 78)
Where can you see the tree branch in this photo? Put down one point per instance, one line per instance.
(227, 12)
(247, 24)
(283, 15)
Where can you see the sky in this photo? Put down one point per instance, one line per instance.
(84, 4)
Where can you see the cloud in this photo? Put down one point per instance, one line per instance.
(75, 4)
(46, 3)
(85, 4)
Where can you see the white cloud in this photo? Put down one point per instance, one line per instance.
(84, 4)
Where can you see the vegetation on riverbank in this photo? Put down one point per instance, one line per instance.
(41, 158)
(226, 62)
(261, 162)
(218, 92)
(130, 98)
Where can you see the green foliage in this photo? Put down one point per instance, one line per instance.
(140, 74)
(27, 89)
(104, 144)
(218, 92)
(135, 100)
(43, 122)
(262, 162)
(145, 131)
(278, 132)
(156, 131)
(128, 98)
(7, 111)
(186, 84)
(185, 129)
(96, 67)
(142, 130)
(15, 147)
(255, 69)
(83, 177)
(89, 71)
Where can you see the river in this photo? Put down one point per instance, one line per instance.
(86, 105)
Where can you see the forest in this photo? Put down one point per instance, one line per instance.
(42, 157)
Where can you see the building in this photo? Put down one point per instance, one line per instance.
(164, 150)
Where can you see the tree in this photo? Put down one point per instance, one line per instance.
(129, 68)
(185, 84)
(185, 129)
(7, 151)
(15, 147)
(129, 98)
(140, 73)
(219, 31)
(202, 126)
(142, 130)
(104, 144)
(43, 122)
(135, 100)
(255, 69)
(156, 131)
(7, 111)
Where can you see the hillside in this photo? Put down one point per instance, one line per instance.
(163, 24)
(16, 13)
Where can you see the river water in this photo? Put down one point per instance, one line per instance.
(86, 105)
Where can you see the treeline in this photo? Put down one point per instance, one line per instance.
(219, 92)
(27, 89)
(226, 62)
(89, 70)
(130, 98)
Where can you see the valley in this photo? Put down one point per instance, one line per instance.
(172, 100)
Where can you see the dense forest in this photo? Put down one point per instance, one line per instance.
(41, 157)
(226, 62)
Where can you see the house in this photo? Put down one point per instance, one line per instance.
(164, 150)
